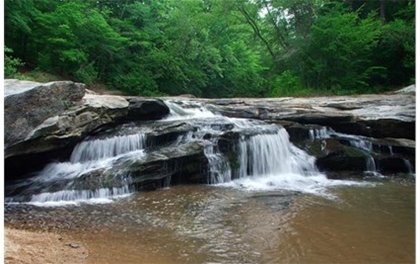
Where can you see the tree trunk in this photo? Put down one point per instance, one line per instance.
(382, 11)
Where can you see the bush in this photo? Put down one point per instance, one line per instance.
(286, 84)
(11, 64)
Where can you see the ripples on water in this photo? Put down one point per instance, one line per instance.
(278, 209)
(203, 224)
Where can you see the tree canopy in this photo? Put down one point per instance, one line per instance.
(216, 48)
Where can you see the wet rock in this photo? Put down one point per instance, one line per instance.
(239, 113)
(332, 156)
(395, 146)
(349, 159)
(395, 164)
(298, 132)
(72, 125)
(385, 128)
(146, 109)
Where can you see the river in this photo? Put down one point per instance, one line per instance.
(368, 223)
(265, 201)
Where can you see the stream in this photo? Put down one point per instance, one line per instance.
(268, 204)
(214, 224)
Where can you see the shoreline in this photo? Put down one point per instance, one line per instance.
(25, 246)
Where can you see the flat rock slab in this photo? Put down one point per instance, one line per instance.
(375, 115)
(363, 107)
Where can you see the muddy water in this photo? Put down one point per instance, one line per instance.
(207, 224)
(364, 225)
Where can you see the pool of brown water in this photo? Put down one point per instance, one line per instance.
(207, 224)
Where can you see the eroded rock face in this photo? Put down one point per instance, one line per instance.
(28, 104)
(72, 125)
(45, 121)
(46, 117)
(342, 155)
(378, 115)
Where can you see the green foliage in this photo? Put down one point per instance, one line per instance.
(11, 64)
(396, 53)
(216, 48)
(286, 84)
(339, 54)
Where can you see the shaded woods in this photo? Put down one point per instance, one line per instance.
(215, 48)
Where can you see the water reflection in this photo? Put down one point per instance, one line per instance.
(204, 224)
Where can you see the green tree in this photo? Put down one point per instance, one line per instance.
(396, 48)
(339, 55)
(75, 40)
(216, 48)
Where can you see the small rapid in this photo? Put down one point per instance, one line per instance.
(244, 154)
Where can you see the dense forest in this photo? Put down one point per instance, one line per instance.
(215, 48)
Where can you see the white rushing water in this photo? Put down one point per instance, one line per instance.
(267, 161)
(187, 110)
(87, 156)
(109, 147)
(264, 159)
(75, 197)
(272, 162)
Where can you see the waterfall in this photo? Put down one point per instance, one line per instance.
(183, 110)
(391, 152)
(105, 148)
(219, 168)
(241, 153)
(361, 144)
(66, 197)
(54, 185)
(270, 154)
(370, 164)
(410, 168)
(320, 133)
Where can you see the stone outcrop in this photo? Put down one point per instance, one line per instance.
(47, 117)
(146, 109)
(28, 104)
(343, 155)
(375, 115)
(72, 125)
(45, 122)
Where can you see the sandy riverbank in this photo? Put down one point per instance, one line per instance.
(32, 247)
(40, 247)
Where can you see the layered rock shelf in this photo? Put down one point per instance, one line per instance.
(44, 122)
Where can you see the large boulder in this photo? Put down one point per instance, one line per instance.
(56, 136)
(28, 104)
(70, 126)
(44, 117)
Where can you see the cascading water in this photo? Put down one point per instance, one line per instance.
(320, 133)
(271, 154)
(55, 184)
(410, 168)
(271, 161)
(106, 148)
(358, 142)
(262, 158)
